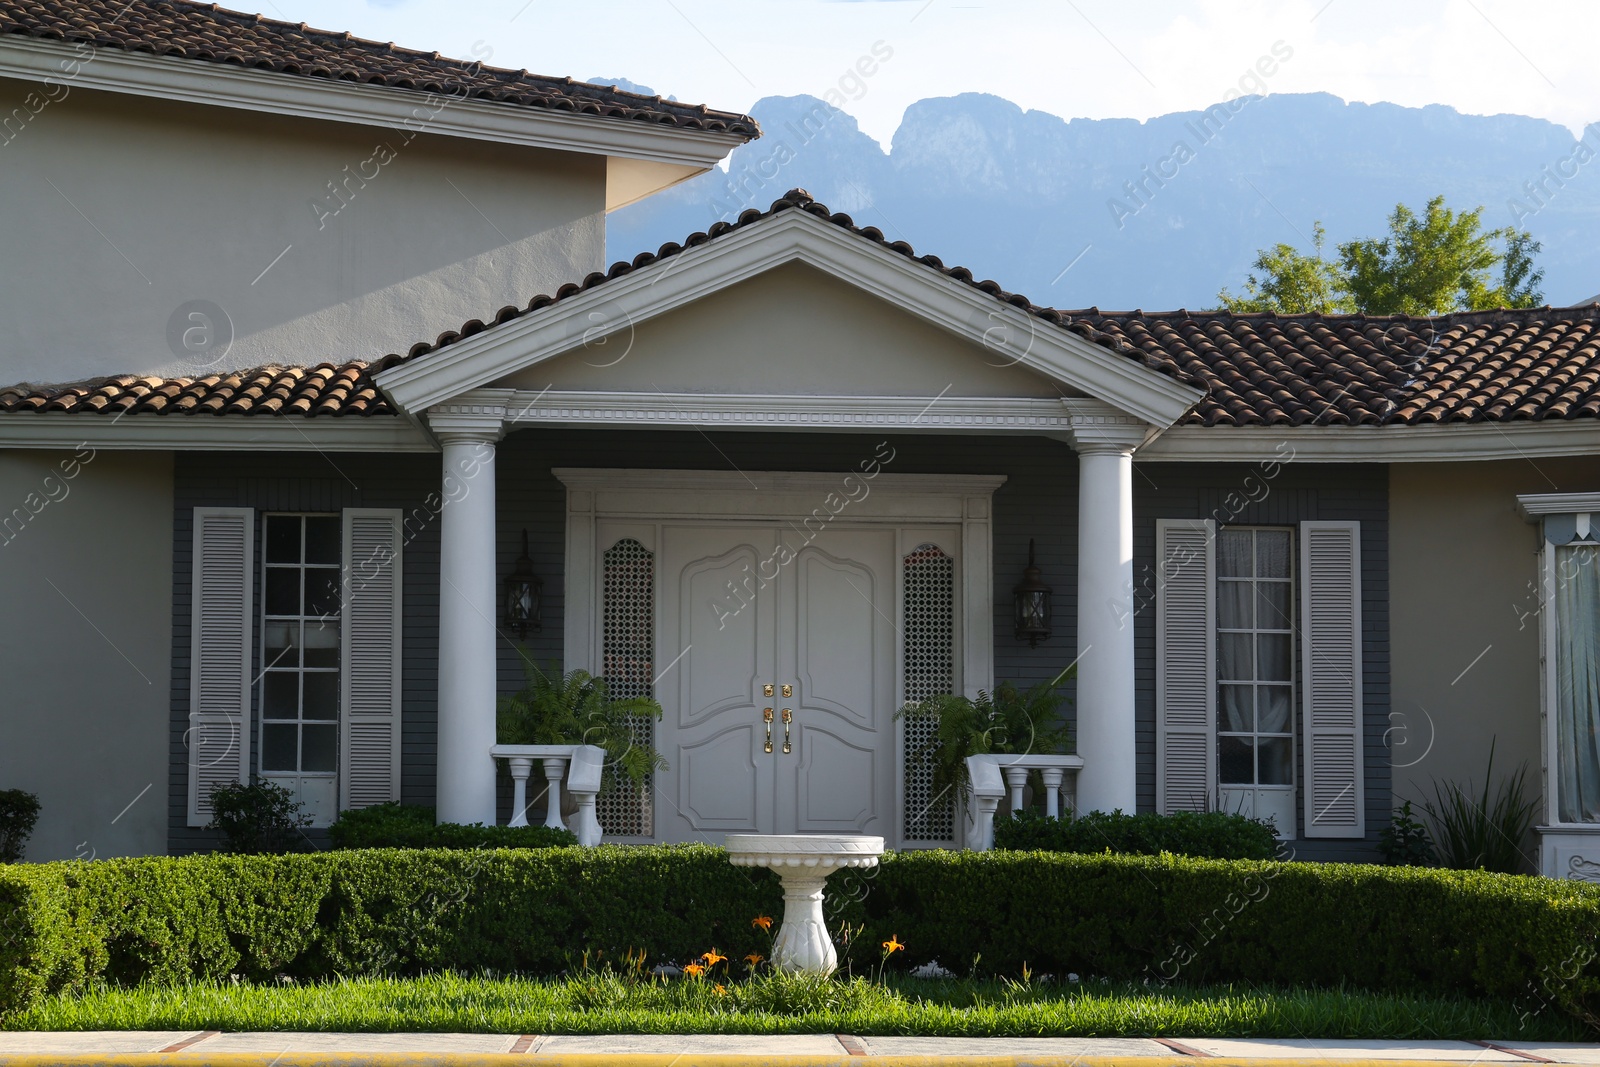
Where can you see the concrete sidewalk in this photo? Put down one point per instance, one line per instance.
(419, 1050)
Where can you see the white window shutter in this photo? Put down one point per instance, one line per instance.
(1330, 648)
(221, 625)
(1186, 665)
(369, 735)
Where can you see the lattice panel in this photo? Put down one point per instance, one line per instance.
(929, 669)
(627, 652)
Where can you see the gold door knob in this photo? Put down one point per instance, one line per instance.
(766, 715)
(788, 717)
(766, 691)
(788, 691)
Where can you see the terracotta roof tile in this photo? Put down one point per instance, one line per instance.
(213, 34)
(1256, 370)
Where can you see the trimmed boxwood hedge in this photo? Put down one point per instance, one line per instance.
(1508, 937)
(412, 826)
(1213, 835)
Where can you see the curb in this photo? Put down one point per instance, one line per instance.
(591, 1059)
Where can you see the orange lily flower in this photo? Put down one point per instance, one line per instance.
(753, 959)
(712, 958)
(694, 970)
(763, 921)
(892, 945)
(722, 990)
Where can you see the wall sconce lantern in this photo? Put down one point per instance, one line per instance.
(523, 593)
(1033, 605)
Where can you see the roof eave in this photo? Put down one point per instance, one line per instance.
(200, 82)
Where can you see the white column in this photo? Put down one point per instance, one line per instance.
(1105, 704)
(468, 607)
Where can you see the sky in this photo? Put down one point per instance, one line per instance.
(1072, 58)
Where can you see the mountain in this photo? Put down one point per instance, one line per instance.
(1161, 214)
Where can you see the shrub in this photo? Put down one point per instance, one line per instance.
(260, 818)
(64, 926)
(19, 810)
(1404, 842)
(412, 826)
(1213, 835)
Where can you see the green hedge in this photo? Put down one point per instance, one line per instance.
(1518, 939)
(1214, 835)
(412, 826)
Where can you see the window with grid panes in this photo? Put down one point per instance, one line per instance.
(1255, 665)
(299, 702)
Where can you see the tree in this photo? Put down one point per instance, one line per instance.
(1427, 264)
(1291, 282)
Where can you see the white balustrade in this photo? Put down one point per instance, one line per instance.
(581, 767)
(1002, 778)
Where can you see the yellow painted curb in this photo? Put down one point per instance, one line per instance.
(197, 1058)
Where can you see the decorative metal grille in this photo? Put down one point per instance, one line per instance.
(929, 670)
(627, 651)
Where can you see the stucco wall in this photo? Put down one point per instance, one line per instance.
(1466, 617)
(126, 209)
(84, 641)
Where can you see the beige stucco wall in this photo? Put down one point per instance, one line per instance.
(86, 646)
(1462, 579)
(790, 331)
(122, 209)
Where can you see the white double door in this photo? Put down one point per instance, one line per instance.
(809, 614)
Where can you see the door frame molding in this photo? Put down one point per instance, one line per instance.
(596, 494)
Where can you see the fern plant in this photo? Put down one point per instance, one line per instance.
(576, 708)
(1008, 721)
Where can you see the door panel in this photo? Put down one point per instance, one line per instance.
(719, 624)
(744, 612)
(836, 626)
(836, 639)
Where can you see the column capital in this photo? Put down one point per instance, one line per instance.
(1097, 428)
(479, 415)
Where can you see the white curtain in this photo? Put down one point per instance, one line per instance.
(1577, 637)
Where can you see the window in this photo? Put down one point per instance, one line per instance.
(1576, 631)
(1255, 673)
(299, 697)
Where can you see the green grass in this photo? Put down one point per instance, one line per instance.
(601, 1002)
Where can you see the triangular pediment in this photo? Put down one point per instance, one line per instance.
(790, 305)
(791, 331)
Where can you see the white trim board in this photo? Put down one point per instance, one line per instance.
(624, 302)
(199, 81)
(980, 415)
(1456, 442)
(225, 433)
(1533, 505)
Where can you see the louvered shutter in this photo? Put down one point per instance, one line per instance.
(220, 624)
(369, 735)
(1330, 643)
(1186, 664)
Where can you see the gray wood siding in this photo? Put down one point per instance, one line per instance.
(1297, 492)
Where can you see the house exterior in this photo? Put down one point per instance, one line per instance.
(1305, 567)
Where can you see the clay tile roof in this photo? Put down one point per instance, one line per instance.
(1520, 365)
(325, 389)
(213, 34)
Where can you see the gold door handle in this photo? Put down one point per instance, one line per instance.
(766, 715)
(788, 717)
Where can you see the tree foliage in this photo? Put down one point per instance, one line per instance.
(1427, 264)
